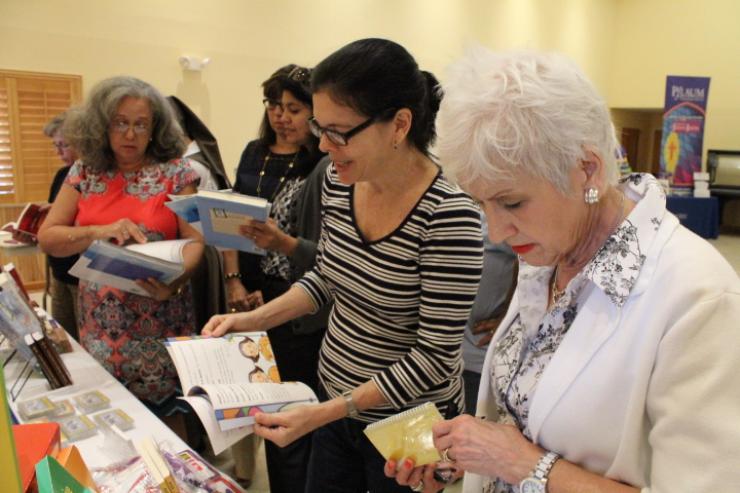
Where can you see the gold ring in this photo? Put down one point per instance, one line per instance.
(445, 457)
(233, 310)
(419, 486)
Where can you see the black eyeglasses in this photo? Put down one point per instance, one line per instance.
(335, 136)
(271, 104)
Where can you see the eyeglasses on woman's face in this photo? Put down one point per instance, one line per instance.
(121, 126)
(336, 137)
(272, 104)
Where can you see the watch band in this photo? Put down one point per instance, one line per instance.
(352, 411)
(544, 465)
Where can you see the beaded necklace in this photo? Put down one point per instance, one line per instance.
(282, 178)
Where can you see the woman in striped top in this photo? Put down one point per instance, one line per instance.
(400, 254)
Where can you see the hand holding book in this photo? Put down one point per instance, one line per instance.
(268, 236)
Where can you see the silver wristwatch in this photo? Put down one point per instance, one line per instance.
(537, 480)
(352, 411)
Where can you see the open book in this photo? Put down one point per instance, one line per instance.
(25, 229)
(218, 216)
(227, 380)
(120, 267)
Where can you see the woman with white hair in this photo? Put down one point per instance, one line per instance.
(615, 368)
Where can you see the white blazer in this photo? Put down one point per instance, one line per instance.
(649, 393)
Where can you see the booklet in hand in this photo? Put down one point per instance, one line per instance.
(219, 215)
(227, 380)
(120, 267)
(407, 435)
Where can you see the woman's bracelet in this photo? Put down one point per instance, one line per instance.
(232, 275)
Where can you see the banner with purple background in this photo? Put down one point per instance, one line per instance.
(683, 128)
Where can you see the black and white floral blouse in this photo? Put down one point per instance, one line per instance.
(523, 353)
(275, 264)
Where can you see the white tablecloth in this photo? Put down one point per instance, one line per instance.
(88, 374)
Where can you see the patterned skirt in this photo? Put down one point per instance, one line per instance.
(124, 333)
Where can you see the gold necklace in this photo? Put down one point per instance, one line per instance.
(556, 294)
(282, 178)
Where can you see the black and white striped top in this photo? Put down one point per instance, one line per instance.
(401, 302)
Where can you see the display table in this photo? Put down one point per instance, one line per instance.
(700, 215)
(88, 374)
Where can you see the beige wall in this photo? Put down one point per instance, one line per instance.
(655, 38)
(626, 46)
(248, 39)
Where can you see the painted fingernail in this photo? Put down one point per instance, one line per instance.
(408, 464)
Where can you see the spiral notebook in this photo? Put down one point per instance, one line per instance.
(407, 435)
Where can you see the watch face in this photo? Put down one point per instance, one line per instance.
(532, 485)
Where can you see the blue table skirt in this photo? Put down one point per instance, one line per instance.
(700, 215)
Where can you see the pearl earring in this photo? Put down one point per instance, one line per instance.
(591, 196)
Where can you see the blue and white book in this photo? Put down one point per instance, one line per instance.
(222, 213)
(186, 206)
(120, 267)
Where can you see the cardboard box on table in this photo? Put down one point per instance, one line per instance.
(52, 477)
(33, 443)
(71, 460)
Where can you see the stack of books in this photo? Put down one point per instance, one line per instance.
(701, 185)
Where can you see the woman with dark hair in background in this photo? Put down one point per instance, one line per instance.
(291, 248)
(129, 144)
(400, 254)
(265, 163)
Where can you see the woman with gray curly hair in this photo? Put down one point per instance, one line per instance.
(615, 368)
(129, 144)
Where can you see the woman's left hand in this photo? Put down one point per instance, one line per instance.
(156, 289)
(265, 235)
(487, 448)
(417, 478)
(285, 427)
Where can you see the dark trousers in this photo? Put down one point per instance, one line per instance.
(471, 383)
(344, 461)
(297, 358)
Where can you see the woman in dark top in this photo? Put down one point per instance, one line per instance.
(274, 167)
(295, 343)
(62, 286)
(265, 163)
